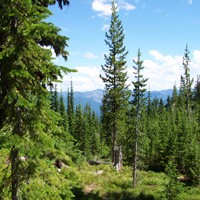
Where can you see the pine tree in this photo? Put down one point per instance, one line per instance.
(115, 76)
(175, 99)
(26, 70)
(63, 113)
(55, 100)
(78, 123)
(70, 109)
(95, 134)
(138, 110)
(92, 131)
(83, 131)
(186, 81)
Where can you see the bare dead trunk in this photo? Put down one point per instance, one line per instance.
(118, 158)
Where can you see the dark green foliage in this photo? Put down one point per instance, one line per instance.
(70, 109)
(30, 128)
(63, 113)
(55, 100)
(87, 131)
(173, 187)
(173, 130)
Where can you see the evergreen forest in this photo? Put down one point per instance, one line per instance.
(52, 148)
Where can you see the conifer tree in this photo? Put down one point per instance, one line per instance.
(186, 81)
(149, 103)
(92, 131)
(114, 76)
(78, 123)
(55, 100)
(84, 131)
(63, 113)
(95, 134)
(26, 69)
(87, 131)
(70, 109)
(168, 103)
(175, 98)
(138, 110)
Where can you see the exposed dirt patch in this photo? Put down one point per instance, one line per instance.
(90, 188)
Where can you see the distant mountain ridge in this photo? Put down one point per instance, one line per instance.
(94, 97)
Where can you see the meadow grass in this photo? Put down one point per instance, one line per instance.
(112, 185)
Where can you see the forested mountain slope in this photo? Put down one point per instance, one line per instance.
(94, 97)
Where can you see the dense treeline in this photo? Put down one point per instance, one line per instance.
(151, 133)
(81, 122)
(160, 133)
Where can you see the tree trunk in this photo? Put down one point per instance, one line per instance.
(135, 150)
(118, 158)
(14, 172)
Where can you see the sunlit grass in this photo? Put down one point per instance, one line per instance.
(113, 185)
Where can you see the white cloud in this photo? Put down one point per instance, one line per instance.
(127, 6)
(86, 79)
(196, 56)
(103, 7)
(164, 71)
(195, 63)
(158, 56)
(90, 55)
(105, 27)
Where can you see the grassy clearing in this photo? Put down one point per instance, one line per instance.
(111, 185)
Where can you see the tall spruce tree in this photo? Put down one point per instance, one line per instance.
(26, 69)
(55, 100)
(70, 109)
(115, 76)
(137, 111)
(63, 112)
(186, 81)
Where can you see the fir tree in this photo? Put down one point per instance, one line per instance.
(63, 113)
(115, 76)
(55, 100)
(78, 123)
(70, 109)
(23, 84)
(138, 110)
(175, 98)
(186, 81)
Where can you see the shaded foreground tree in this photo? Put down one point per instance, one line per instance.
(116, 94)
(25, 71)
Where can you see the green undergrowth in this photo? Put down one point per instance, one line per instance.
(86, 182)
(111, 185)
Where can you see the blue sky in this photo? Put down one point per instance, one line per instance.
(160, 28)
